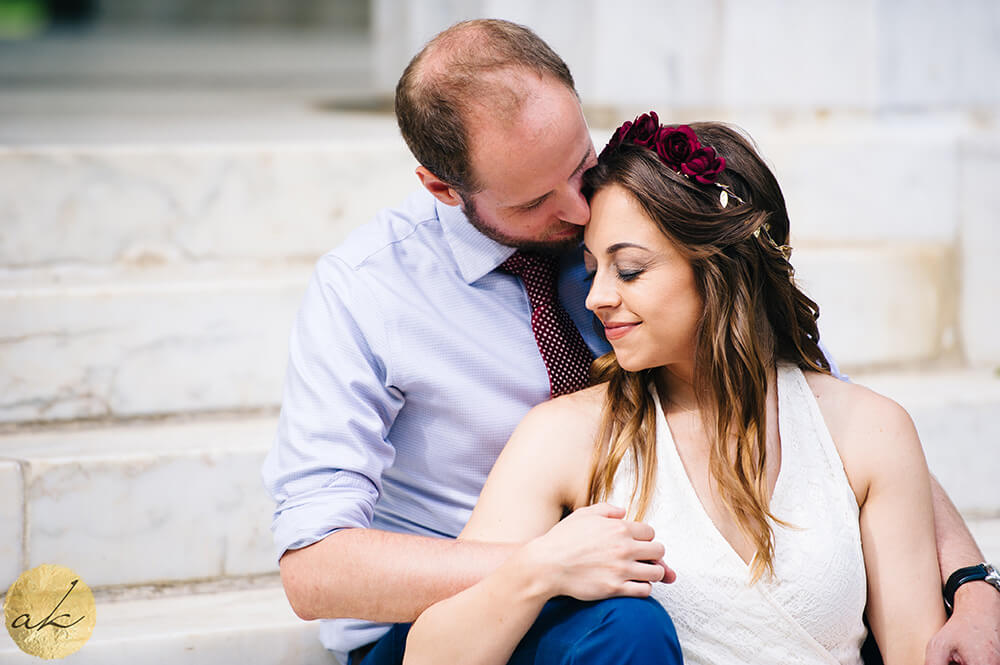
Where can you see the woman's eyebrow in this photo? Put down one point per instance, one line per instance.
(622, 245)
(615, 247)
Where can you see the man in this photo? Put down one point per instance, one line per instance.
(414, 356)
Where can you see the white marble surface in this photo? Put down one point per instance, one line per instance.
(167, 204)
(987, 535)
(229, 628)
(879, 305)
(127, 343)
(913, 75)
(867, 54)
(11, 522)
(148, 503)
(840, 190)
(177, 204)
(980, 240)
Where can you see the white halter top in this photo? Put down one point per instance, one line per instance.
(811, 611)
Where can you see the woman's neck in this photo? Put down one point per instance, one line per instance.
(675, 382)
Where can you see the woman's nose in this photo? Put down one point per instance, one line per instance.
(602, 293)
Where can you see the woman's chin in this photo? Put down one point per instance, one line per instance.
(631, 364)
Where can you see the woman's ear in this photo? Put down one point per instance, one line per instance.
(438, 188)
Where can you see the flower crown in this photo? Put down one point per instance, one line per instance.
(679, 148)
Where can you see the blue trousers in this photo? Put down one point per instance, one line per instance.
(574, 632)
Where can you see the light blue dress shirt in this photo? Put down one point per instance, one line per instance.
(411, 362)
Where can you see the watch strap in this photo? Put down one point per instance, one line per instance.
(981, 571)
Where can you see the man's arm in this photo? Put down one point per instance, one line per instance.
(955, 545)
(972, 634)
(325, 467)
(382, 576)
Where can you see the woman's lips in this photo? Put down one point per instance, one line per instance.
(618, 330)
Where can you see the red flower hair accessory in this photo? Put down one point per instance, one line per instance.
(677, 146)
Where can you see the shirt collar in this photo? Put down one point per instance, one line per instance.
(475, 254)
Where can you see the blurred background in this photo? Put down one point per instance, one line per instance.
(170, 170)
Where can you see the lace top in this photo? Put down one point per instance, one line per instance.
(811, 610)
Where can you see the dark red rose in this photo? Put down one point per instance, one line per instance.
(616, 138)
(644, 130)
(675, 145)
(703, 165)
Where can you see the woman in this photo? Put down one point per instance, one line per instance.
(788, 502)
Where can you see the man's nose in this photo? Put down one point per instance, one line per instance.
(575, 208)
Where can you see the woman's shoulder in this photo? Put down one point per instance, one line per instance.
(848, 406)
(554, 443)
(871, 431)
(575, 417)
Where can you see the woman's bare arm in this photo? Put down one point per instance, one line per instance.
(887, 470)
(590, 554)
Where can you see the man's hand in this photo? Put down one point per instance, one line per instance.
(972, 634)
(594, 553)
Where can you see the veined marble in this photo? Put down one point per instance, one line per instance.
(732, 53)
(128, 344)
(11, 522)
(142, 504)
(880, 305)
(980, 268)
(180, 203)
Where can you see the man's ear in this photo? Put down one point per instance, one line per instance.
(441, 190)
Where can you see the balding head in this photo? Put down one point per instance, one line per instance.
(472, 70)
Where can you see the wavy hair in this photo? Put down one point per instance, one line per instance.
(754, 317)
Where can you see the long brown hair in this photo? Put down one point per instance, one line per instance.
(754, 317)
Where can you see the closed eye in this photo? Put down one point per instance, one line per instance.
(531, 206)
(628, 275)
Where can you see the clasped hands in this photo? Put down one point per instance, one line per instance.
(594, 553)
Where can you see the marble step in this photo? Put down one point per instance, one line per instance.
(220, 628)
(182, 200)
(167, 502)
(133, 504)
(168, 204)
(137, 341)
(293, 191)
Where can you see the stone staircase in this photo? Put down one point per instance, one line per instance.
(151, 263)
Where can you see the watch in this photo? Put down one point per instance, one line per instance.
(983, 571)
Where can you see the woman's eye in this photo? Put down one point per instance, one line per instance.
(628, 275)
(589, 277)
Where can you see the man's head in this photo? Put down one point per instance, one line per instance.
(492, 115)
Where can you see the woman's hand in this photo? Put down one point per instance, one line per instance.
(594, 554)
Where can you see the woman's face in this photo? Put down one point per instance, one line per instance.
(643, 288)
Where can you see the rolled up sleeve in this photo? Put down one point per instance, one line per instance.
(325, 468)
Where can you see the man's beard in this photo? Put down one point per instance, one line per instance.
(554, 246)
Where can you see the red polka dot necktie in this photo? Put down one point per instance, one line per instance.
(563, 350)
